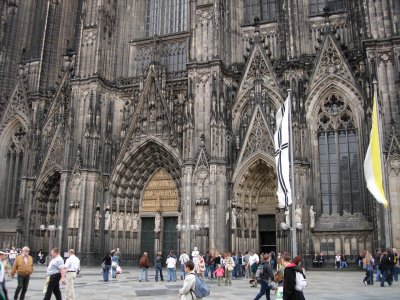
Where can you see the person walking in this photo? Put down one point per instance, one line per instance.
(71, 269)
(219, 273)
(158, 261)
(171, 266)
(183, 258)
(12, 255)
(266, 277)
(114, 265)
(189, 285)
(106, 266)
(385, 267)
(144, 267)
(54, 271)
(289, 279)
(23, 267)
(3, 290)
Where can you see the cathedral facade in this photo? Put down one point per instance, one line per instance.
(148, 125)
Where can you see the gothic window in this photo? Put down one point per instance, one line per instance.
(266, 10)
(318, 6)
(12, 174)
(165, 17)
(338, 158)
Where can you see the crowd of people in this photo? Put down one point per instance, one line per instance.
(20, 263)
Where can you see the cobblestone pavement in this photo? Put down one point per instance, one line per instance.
(332, 285)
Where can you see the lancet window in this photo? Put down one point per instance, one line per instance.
(338, 158)
(319, 6)
(265, 10)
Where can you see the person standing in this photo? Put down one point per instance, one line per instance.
(385, 267)
(289, 279)
(23, 266)
(106, 266)
(54, 271)
(144, 267)
(183, 258)
(71, 268)
(229, 267)
(189, 285)
(266, 276)
(171, 265)
(158, 261)
(13, 255)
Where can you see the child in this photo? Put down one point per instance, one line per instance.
(219, 273)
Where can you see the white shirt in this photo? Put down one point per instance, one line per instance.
(2, 270)
(254, 258)
(13, 254)
(72, 264)
(184, 258)
(171, 262)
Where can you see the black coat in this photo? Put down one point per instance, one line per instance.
(384, 264)
(289, 283)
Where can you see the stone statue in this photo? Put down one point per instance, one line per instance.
(107, 220)
(157, 223)
(128, 222)
(234, 218)
(121, 221)
(312, 217)
(195, 255)
(254, 221)
(247, 220)
(287, 218)
(298, 215)
(114, 221)
(135, 221)
(97, 220)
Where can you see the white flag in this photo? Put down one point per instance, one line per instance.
(282, 159)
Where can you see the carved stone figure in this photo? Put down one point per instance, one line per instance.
(97, 220)
(107, 220)
(206, 217)
(135, 221)
(287, 218)
(114, 221)
(128, 222)
(298, 215)
(312, 217)
(254, 221)
(234, 218)
(157, 223)
(247, 224)
(121, 221)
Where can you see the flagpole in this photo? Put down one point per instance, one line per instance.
(380, 131)
(293, 210)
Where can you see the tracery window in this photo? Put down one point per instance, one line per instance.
(12, 173)
(266, 10)
(338, 158)
(318, 6)
(165, 16)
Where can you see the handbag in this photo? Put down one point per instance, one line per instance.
(119, 270)
(46, 284)
(103, 266)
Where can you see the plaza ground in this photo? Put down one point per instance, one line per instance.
(332, 285)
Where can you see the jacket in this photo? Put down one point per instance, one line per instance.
(219, 272)
(289, 283)
(21, 268)
(188, 285)
(144, 262)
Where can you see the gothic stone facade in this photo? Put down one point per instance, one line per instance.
(122, 119)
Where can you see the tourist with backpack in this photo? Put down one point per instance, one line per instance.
(264, 276)
(193, 286)
(293, 280)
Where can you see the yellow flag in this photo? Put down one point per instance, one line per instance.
(373, 162)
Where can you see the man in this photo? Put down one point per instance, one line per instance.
(54, 271)
(23, 266)
(289, 279)
(183, 259)
(189, 284)
(171, 253)
(267, 274)
(71, 269)
(385, 268)
(12, 255)
(171, 267)
(3, 290)
(144, 267)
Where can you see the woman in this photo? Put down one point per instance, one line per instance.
(114, 265)
(158, 265)
(200, 268)
(40, 257)
(229, 266)
(106, 266)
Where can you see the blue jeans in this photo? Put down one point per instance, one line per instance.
(159, 270)
(371, 276)
(385, 277)
(344, 264)
(208, 271)
(146, 274)
(106, 273)
(183, 273)
(113, 272)
(396, 273)
(212, 269)
(378, 274)
(265, 289)
(171, 274)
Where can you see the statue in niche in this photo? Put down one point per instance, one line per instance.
(254, 221)
(114, 221)
(128, 222)
(157, 223)
(121, 221)
(312, 217)
(247, 220)
(135, 221)
(298, 215)
(97, 218)
(234, 218)
(107, 220)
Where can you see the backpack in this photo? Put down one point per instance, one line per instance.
(301, 282)
(201, 289)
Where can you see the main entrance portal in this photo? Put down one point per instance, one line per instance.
(267, 233)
